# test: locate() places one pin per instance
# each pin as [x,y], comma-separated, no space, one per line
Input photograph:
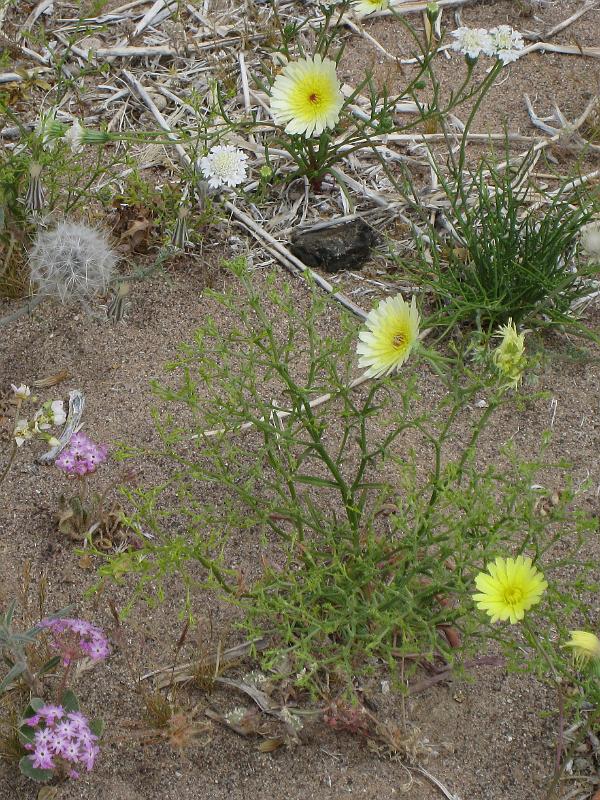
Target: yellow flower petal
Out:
[306,97]
[509,588]
[364,7]
[392,332]
[585,647]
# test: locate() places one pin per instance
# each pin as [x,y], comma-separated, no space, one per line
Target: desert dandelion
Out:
[509,356]
[364,7]
[585,647]
[306,97]
[391,335]
[509,588]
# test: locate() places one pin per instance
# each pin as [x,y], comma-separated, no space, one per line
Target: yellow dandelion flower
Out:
[509,356]
[509,588]
[364,7]
[306,97]
[393,330]
[585,646]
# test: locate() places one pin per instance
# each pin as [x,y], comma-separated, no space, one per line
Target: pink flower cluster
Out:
[76,638]
[61,739]
[82,456]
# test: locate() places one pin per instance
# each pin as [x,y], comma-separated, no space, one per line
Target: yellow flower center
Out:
[399,340]
[513,595]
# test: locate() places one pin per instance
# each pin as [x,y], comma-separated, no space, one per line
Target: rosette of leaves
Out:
[105,528]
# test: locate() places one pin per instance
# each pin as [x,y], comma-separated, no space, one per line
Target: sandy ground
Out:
[491,738]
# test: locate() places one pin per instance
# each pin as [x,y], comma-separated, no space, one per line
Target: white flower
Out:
[472,41]
[41,420]
[506,43]
[58,412]
[50,414]
[75,137]
[22,392]
[364,7]
[22,432]
[225,165]
[590,239]
[306,96]
[53,441]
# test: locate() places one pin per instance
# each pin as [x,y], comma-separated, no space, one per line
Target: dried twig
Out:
[589,6]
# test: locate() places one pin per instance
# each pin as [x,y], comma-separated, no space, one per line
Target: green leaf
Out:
[70,701]
[47,793]
[8,617]
[311,480]
[26,734]
[97,726]
[53,662]
[39,775]
[11,675]
[34,706]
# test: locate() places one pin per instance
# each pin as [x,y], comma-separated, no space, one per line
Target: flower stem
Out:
[9,463]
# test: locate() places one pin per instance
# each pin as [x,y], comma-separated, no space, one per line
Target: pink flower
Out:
[76,638]
[57,743]
[51,714]
[89,757]
[66,728]
[82,457]
[82,627]
[65,740]
[79,719]
[65,461]
[43,736]
[80,439]
[70,751]
[42,757]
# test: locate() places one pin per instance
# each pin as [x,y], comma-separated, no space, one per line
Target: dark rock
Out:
[343,246]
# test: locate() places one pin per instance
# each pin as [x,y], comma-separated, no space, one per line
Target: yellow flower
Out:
[364,7]
[509,588]
[509,356]
[393,330]
[306,97]
[586,647]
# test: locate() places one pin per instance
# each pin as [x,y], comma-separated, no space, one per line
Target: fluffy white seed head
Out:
[71,262]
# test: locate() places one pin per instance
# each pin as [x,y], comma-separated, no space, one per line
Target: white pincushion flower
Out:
[472,42]
[22,432]
[21,392]
[224,165]
[506,43]
[75,137]
[364,7]
[590,239]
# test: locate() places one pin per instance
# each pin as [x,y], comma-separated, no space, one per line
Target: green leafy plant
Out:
[355,567]
[504,259]
[48,740]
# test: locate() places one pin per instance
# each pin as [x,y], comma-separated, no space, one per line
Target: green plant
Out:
[355,567]
[48,739]
[505,258]
[354,127]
